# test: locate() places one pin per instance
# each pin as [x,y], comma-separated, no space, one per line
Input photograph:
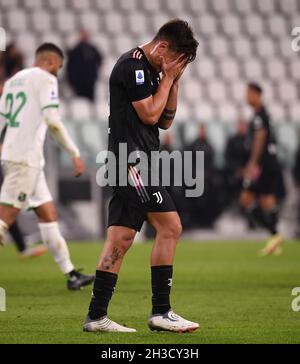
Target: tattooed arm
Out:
[169,112]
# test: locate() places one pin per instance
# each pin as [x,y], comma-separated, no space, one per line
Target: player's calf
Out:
[168,230]
[3,231]
[8,216]
[58,247]
[119,241]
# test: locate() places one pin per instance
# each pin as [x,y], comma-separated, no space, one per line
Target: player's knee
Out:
[46,213]
[123,242]
[49,218]
[246,200]
[52,215]
[177,229]
[173,231]
[268,203]
[8,214]
[242,201]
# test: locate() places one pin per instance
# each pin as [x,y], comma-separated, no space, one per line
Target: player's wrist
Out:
[175,86]
[169,80]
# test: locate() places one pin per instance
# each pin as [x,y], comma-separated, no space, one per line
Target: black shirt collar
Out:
[152,69]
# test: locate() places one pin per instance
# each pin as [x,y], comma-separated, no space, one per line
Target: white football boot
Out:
[274,246]
[104,324]
[33,252]
[171,322]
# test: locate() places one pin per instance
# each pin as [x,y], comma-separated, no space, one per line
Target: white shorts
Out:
[23,187]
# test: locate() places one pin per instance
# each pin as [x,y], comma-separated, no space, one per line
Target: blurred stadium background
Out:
[240,41]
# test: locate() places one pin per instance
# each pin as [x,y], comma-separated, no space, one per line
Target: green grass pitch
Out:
[234,295]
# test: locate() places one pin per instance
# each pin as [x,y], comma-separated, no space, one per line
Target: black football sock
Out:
[161,277]
[17,235]
[271,220]
[104,286]
[254,215]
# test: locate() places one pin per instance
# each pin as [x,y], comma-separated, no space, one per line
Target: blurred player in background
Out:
[258,197]
[29,106]
[140,104]
[237,156]
[15,230]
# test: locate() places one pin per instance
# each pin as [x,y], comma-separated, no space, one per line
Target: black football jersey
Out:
[132,79]
[260,120]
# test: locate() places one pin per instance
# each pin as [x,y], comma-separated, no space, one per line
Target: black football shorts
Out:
[130,205]
[265,184]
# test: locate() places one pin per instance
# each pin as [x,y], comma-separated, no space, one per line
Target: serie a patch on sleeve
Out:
[53,94]
[139,77]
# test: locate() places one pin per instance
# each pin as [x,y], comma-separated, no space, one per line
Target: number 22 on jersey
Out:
[14,105]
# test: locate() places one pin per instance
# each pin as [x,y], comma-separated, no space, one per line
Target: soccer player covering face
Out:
[29,107]
[140,104]
[258,196]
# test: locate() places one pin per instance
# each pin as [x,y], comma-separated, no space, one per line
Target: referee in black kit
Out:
[258,198]
[140,103]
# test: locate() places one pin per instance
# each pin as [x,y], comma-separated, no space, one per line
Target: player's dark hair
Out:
[255,87]
[180,37]
[49,47]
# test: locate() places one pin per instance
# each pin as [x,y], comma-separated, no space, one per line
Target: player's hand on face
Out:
[174,69]
[181,73]
[78,166]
